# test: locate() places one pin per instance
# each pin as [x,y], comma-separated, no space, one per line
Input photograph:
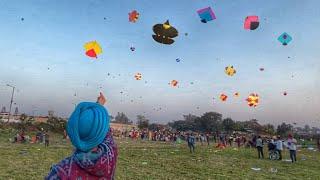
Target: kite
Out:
[284,38]
[253,100]
[132,48]
[236,94]
[164,33]
[178,60]
[251,22]
[174,83]
[285,93]
[261,69]
[92,49]
[133,16]
[138,76]
[206,14]
[22,19]
[186,34]
[230,71]
[223,97]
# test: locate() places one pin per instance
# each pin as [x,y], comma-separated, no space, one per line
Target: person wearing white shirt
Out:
[279,147]
[292,145]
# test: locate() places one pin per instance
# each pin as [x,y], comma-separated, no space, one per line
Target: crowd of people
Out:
[275,144]
[223,139]
[41,137]
[96,152]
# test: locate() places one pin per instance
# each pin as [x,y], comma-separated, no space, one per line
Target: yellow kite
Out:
[230,71]
[92,49]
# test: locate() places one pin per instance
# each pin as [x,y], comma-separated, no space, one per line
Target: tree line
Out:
[208,122]
[214,122]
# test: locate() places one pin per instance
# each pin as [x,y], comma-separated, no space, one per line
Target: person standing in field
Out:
[279,147]
[191,142]
[230,140]
[292,145]
[259,145]
[96,153]
[244,140]
[201,139]
[46,139]
[238,140]
[208,138]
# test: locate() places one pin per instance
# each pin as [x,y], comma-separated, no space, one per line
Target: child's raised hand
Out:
[101,99]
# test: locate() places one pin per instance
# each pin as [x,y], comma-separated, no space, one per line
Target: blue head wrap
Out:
[88,125]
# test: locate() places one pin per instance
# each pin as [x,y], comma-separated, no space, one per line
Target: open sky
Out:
[43,57]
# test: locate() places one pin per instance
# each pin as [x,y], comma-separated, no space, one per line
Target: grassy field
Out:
[158,160]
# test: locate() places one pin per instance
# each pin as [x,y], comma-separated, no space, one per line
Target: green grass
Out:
[158,160]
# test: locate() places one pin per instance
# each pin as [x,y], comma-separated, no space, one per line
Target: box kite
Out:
[164,33]
[92,49]
[133,16]
[230,71]
[206,14]
[284,38]
[138,76]
[253,100]
[251,22]
[223,97]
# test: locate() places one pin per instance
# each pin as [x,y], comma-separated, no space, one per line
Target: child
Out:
[96,154]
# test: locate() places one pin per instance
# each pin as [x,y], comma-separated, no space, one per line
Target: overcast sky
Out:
[43,56]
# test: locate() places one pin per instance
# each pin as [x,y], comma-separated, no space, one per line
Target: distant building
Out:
[122,127]
[41,118]
[13,118]
[4,115]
